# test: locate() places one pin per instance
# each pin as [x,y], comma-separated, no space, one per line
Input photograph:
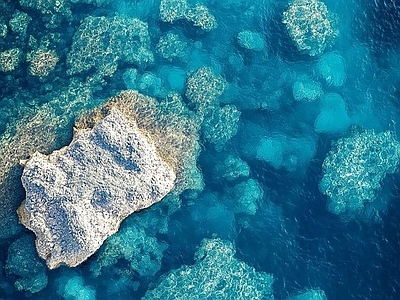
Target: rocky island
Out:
[77,196]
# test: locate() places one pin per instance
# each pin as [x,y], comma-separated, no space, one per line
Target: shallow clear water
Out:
[282,139]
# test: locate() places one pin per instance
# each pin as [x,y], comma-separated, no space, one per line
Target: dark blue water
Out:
[261,172]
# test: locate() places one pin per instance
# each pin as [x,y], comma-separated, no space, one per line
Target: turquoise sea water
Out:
[299,144]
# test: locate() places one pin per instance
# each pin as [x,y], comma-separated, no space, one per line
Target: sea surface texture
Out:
[282,115]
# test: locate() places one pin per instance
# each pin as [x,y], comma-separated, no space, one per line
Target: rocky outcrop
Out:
[77,196]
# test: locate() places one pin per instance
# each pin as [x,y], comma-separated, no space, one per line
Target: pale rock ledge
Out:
[77,196]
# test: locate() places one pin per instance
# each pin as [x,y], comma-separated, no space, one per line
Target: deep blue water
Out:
[289,232]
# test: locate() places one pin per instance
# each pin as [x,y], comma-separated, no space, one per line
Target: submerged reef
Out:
[42,62]
[310,25]
[216,274]
[9,59]
[310,295]
[136,244]
[23,262]
[77,196]
[354,170]
[103,43]
[198,15]
[72,287]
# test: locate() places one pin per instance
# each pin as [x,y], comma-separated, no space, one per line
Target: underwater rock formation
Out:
[314,294]
[216,274]
[26,266]
[198,15]
[354,170]
[103,43]
[310,25]
[77,196]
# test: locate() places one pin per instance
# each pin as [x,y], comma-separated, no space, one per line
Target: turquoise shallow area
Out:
[283,131]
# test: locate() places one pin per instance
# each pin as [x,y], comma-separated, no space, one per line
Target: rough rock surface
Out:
[77,196]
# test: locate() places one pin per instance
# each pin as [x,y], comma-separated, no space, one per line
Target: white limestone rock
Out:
[77,196]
